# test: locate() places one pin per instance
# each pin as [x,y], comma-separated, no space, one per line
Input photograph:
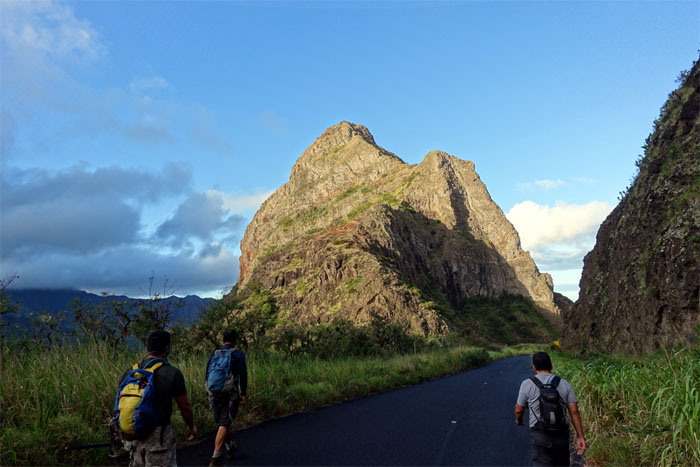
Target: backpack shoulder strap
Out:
[554,382]
[537,381]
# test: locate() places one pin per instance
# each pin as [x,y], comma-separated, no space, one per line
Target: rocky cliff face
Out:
[640,284]
[356,231]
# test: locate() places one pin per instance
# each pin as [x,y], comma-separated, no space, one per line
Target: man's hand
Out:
[576,420]
[241,400]
[193,433]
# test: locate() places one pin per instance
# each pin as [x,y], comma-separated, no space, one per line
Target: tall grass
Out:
[638,411]
[53,398]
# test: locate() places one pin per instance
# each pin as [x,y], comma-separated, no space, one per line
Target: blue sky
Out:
[139,138]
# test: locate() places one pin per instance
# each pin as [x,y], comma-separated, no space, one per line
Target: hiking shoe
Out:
[216,461]
[231,448]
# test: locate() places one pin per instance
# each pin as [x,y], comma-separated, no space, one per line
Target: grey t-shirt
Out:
[529,395]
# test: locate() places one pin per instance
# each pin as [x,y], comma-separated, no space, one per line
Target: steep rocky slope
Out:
[356,231]
[640,287]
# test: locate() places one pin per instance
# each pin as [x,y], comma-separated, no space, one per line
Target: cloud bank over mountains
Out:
[87,229]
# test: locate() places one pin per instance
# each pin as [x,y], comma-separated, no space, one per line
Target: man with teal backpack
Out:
[144,405]
[226,383]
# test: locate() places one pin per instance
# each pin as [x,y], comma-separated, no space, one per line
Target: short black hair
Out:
[230,335]
[158,341]
[542,362]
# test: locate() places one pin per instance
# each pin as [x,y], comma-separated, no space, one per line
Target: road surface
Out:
[463,419]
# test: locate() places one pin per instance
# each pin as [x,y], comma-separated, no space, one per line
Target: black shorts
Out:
[224,409]
[550,448]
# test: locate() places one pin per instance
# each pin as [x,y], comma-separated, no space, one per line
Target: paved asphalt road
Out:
[463,419]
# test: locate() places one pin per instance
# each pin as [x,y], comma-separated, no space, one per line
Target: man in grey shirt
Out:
[548,448]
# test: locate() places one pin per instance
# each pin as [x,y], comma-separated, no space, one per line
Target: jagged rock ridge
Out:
[640,286]
[356,231]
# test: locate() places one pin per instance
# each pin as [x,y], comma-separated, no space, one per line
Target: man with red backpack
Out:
[226,383]
[548,397]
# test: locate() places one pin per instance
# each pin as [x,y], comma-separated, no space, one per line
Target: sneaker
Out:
[231,448]
[216,461]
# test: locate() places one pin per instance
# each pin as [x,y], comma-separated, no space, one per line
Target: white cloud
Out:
[47,29]
[543,226]
[543,185]
[242,203]
[46,98]
[141,85]
[559,237]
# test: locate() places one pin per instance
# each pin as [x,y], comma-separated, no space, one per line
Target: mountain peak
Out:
[440,160]
[336,137]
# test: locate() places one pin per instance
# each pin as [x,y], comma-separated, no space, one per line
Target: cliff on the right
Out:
[640,286]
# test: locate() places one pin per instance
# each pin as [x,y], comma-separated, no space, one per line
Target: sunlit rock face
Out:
[357,232]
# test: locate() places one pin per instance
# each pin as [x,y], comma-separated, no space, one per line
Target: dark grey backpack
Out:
[551,406]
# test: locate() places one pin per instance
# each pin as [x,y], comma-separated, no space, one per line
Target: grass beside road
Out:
[53,398]
[638,411]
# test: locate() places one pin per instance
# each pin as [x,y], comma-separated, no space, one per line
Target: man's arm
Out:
[519,411]
[576,419]
[185,407]
[243,378]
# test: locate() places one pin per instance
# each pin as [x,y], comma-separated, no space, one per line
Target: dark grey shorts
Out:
[550,449]
[224,409]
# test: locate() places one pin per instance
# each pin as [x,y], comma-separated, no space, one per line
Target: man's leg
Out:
[221,438]
[550,449]
[560,449]
[231,445]
[541,449]
[221,407]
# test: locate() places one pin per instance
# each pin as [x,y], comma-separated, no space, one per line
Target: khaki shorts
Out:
[158,449]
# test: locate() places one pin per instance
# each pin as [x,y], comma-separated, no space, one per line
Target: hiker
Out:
[158,447]
[546,396]
[226,371]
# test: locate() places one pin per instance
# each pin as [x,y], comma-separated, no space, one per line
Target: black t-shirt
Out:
[169,383]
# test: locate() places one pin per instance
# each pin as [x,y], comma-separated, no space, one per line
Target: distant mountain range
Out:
[53,301]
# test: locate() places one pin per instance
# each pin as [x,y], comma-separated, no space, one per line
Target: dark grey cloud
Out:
[78,210]
[83,228]
[29,186]
[126,269]
[201,216]
[67,224]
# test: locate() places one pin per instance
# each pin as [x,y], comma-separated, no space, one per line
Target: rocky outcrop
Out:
[640,287]
[356,232]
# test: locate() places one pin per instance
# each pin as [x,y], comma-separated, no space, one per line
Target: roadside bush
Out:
[342,338]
